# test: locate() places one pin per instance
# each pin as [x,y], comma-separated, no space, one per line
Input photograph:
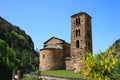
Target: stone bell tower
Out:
[81,38]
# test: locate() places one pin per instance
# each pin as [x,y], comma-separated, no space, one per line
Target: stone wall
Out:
[54,43]
[81,38]
[51,59]
[68,63]
[66,49]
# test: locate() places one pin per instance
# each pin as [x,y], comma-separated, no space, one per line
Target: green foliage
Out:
[116,69]
[116,48]
[30,78]
[3,51]
[115,75]
[100,66]
[16,48]
[8,60]
[18,35]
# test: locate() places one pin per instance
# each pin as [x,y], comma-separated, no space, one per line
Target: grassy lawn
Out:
[30,78]
[62,73]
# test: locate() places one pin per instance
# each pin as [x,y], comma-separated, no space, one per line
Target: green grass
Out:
[29,78]
[62,73]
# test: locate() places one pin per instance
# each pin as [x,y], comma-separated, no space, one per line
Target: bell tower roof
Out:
[80,13]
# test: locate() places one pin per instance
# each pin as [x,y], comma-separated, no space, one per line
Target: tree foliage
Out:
[99,66]
[16,48]
[115,75]
[116,48]
[8,60]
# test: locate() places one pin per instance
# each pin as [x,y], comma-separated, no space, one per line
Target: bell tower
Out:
[81,38]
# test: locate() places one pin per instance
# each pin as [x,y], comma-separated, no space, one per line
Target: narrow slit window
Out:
[76,32]
[43,56]
[78,20]
[79,32]
[88,33]
[77,44]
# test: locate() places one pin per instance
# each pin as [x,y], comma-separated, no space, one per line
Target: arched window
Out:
[78,20]
[43,56]
[88,33]
[77,44]
[77,32]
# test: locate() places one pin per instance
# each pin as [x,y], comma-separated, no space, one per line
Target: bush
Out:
[99,66]
[115,76]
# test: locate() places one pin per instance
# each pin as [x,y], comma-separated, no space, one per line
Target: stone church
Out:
[58,54]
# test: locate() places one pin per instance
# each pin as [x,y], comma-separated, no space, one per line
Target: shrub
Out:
[100,66]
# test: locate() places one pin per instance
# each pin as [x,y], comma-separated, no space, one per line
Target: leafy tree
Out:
[8,60]
[20,43]
[116,48]
[3,51]
[115,74]
[16,50]
[99,66]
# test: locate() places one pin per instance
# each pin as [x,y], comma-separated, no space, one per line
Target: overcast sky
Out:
[43,19]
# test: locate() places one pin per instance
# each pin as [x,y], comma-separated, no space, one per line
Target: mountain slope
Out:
[116,48]
[20,43]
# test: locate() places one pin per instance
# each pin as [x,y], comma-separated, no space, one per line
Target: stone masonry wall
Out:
[81,38]
[54,43]
[51,59]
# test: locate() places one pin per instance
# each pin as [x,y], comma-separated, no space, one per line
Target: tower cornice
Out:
[80,13]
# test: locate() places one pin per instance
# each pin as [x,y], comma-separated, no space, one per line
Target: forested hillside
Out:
[116,48]
[16,50]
